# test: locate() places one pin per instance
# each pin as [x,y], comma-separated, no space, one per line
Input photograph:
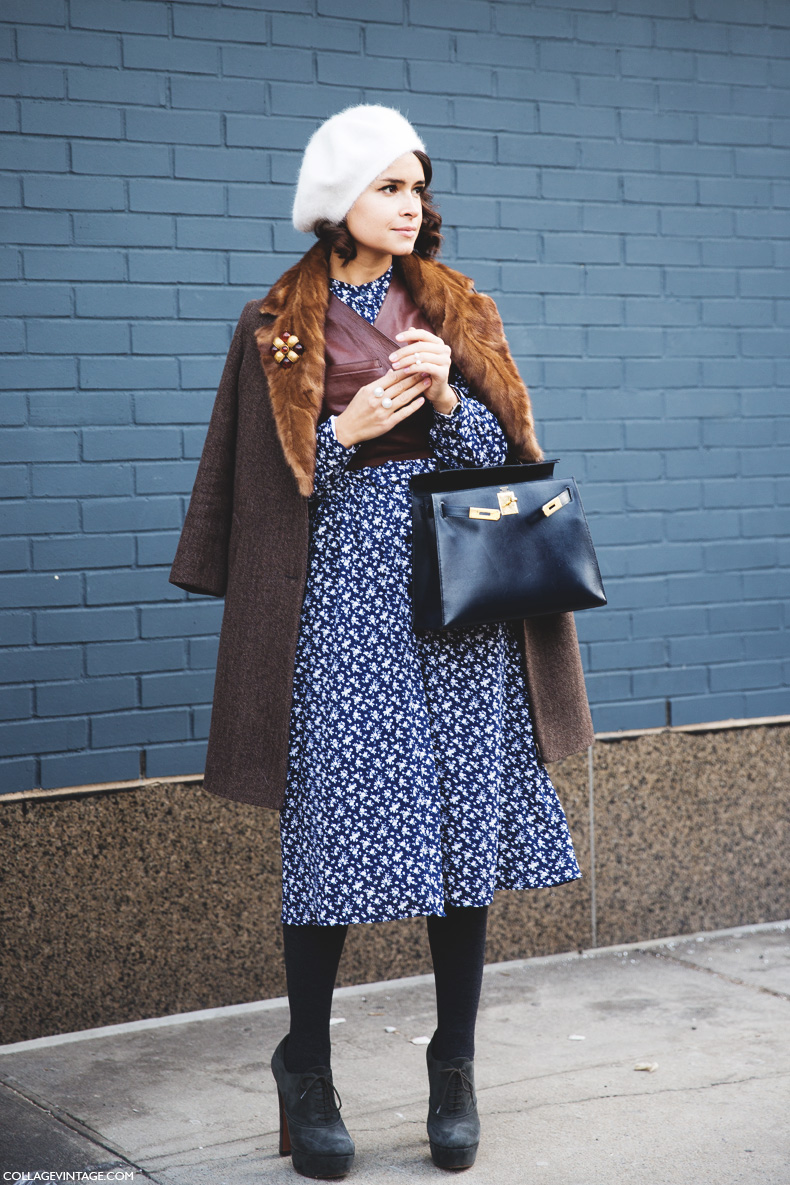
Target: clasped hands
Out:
[419,371]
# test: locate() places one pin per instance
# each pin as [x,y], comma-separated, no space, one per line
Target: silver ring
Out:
[378,392]
[386,402]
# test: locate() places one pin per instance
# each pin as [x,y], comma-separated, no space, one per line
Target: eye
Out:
[387,188]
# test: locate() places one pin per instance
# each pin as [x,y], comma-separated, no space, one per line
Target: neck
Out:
[367,265]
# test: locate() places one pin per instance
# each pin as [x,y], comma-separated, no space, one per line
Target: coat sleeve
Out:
[201,559]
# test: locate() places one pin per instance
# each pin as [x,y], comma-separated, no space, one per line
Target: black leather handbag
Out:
[498,544]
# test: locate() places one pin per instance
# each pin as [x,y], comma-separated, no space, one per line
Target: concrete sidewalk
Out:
[190,1100]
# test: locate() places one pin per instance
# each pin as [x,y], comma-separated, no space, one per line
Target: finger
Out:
[431,343]
[398,394]
[408,410]
[429,372]
[414,386]
[404,382]
[384,385]
[387,381]
[406,378]
[428,363]
[420,347]
[414,334]
[436,351]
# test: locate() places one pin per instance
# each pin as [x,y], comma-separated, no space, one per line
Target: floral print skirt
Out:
[413,777]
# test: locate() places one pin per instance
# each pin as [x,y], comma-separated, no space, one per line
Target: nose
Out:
[411,206]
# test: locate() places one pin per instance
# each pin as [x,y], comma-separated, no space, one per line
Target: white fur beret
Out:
[343,156]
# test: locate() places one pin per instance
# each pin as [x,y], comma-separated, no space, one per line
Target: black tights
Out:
[312,955]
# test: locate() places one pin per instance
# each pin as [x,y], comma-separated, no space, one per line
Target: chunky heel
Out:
[311,1129]
[285,1138]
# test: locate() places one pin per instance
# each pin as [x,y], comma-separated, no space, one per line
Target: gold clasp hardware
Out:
[556,503]
[484,512]
[508,503]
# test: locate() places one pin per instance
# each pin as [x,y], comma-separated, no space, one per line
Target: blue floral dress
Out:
[413,778]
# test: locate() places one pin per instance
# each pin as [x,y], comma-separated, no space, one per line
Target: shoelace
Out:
[326,1103]
[457,1083]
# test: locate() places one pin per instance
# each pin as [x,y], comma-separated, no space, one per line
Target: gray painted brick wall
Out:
[615,172]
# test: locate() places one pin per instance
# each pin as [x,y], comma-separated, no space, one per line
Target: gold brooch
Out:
[287,349]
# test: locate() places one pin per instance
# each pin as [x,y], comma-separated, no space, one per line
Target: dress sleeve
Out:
[470,436]
[331,459]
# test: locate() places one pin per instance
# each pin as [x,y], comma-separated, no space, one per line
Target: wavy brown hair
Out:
[336,236]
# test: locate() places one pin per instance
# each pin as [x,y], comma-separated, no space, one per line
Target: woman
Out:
[405,767]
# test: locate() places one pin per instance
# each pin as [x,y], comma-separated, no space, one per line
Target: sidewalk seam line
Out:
[755,987]
[72,1123]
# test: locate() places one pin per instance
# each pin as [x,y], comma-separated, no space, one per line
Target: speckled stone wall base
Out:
[140,903]
[692,832]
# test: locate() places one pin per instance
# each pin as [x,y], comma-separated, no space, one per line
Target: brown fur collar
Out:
[468,321]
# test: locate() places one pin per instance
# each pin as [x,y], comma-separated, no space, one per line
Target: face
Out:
[386,217]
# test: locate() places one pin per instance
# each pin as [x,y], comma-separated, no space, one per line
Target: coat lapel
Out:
[468,321]
[298,303]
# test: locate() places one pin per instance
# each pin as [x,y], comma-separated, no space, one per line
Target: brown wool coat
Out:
[245,536]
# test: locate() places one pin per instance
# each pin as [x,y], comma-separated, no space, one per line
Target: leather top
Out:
[356,354]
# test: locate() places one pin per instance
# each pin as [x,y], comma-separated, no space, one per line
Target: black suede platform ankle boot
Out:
[311,1129]
[453,1122]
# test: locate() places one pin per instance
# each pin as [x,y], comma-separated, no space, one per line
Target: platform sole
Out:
[453,1158]
[321,1167]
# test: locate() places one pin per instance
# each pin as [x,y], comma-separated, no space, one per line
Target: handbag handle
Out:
[442,481]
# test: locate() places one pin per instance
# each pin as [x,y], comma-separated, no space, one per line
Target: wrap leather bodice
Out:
[356,354]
